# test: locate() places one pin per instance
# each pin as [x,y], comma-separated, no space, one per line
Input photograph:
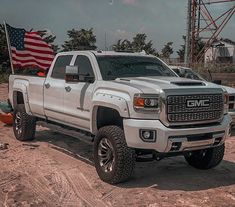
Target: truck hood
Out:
[159,83]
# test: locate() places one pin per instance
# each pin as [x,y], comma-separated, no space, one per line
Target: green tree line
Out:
[85,39]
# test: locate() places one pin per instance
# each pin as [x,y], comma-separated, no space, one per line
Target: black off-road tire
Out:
[206,159]
[24,125]
[124,157]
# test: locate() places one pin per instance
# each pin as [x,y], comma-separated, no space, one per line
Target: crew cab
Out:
[131,106]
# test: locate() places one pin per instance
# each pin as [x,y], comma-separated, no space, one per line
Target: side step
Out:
[79,134]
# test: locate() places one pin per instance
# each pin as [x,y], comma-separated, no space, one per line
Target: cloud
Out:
[122,34]
[111,2]
[128,2]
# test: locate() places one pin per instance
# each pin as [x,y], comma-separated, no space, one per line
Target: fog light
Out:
[175,146]
[148,135]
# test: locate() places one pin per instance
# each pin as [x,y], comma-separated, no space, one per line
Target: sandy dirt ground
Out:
[56,170]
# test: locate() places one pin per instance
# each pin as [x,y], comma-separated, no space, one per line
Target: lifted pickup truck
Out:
[132,106]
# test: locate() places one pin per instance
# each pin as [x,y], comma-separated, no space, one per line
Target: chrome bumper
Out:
[175,139]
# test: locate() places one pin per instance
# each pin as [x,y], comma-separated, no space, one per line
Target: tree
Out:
[122,45]
[80,40]
[167,50]
[4,55]
[138,44]
[50,40]
[199,46]
[181,51]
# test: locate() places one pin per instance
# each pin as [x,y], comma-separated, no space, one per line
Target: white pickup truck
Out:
[132,106]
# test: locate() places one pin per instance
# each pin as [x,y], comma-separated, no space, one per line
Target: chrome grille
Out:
[179,111]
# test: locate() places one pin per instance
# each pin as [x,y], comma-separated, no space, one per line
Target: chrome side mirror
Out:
[71,74]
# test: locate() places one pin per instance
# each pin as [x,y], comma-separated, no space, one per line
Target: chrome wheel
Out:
[106,155]
[18,123]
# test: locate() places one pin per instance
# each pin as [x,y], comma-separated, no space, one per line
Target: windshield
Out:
[112,67]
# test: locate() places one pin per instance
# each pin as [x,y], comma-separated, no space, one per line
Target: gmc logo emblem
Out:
[198,103]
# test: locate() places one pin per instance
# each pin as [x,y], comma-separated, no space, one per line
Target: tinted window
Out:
[112,67]
[187,73]
[60,65]
[84,66]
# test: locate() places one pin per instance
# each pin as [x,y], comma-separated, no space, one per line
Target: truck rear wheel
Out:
[206,159]
[24,125]
[114,160]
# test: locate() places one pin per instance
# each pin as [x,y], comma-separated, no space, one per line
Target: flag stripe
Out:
[24,59]
[28,55]
[39,51]
[31,33]
[33,37]
[29,64]
[36,42]
[32,53]
[15,61]
[38,48]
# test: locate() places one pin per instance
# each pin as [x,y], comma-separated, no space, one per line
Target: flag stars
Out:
[16,37]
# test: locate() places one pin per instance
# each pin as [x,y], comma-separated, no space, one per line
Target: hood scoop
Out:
[188,83]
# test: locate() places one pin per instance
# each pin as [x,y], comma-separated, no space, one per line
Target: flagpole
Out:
[9,47]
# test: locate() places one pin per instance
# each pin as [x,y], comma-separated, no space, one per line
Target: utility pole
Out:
[203,25]
[105,41]
[188,35]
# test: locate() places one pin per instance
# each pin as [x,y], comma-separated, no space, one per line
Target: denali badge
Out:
[198,103]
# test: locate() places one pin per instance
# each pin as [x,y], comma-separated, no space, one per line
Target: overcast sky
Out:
[161,20]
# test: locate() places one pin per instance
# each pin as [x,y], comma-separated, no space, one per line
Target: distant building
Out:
[221,51]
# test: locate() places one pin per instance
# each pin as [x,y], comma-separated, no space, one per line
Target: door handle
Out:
[47,85]
[68,88]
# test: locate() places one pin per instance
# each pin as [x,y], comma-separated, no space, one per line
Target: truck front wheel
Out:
[114,160]
[24,125]
[206,159]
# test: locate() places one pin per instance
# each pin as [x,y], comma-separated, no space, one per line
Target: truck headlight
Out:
[226,102]
[146,101]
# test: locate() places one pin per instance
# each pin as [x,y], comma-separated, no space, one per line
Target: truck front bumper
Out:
[174,139]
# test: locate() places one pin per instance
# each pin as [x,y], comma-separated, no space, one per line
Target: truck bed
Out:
[33,88]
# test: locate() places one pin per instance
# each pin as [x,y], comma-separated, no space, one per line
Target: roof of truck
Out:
[106,53]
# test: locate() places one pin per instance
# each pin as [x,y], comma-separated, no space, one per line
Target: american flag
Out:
[28,49]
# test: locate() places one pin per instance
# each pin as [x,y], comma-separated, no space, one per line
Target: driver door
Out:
[78,95]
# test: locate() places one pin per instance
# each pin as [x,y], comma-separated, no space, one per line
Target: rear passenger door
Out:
[77,99]
[54,88]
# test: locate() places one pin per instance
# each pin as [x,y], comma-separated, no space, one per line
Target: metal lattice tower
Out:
[202,25]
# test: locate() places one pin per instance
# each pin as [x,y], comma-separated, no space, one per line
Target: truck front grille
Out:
[194,108]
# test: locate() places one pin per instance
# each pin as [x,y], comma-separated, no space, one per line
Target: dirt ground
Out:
[56,170]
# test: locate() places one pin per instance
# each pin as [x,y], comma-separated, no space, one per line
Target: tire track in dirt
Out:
[7,178]
[83,189]
[54,189]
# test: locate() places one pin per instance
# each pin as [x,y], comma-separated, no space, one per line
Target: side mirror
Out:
[71,74]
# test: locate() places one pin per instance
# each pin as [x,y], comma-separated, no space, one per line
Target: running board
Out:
[76,133]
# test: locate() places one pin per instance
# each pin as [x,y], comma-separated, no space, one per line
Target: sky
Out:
[162,20]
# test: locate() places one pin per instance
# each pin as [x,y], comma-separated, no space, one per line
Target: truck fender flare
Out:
[109,101]
[21,87]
